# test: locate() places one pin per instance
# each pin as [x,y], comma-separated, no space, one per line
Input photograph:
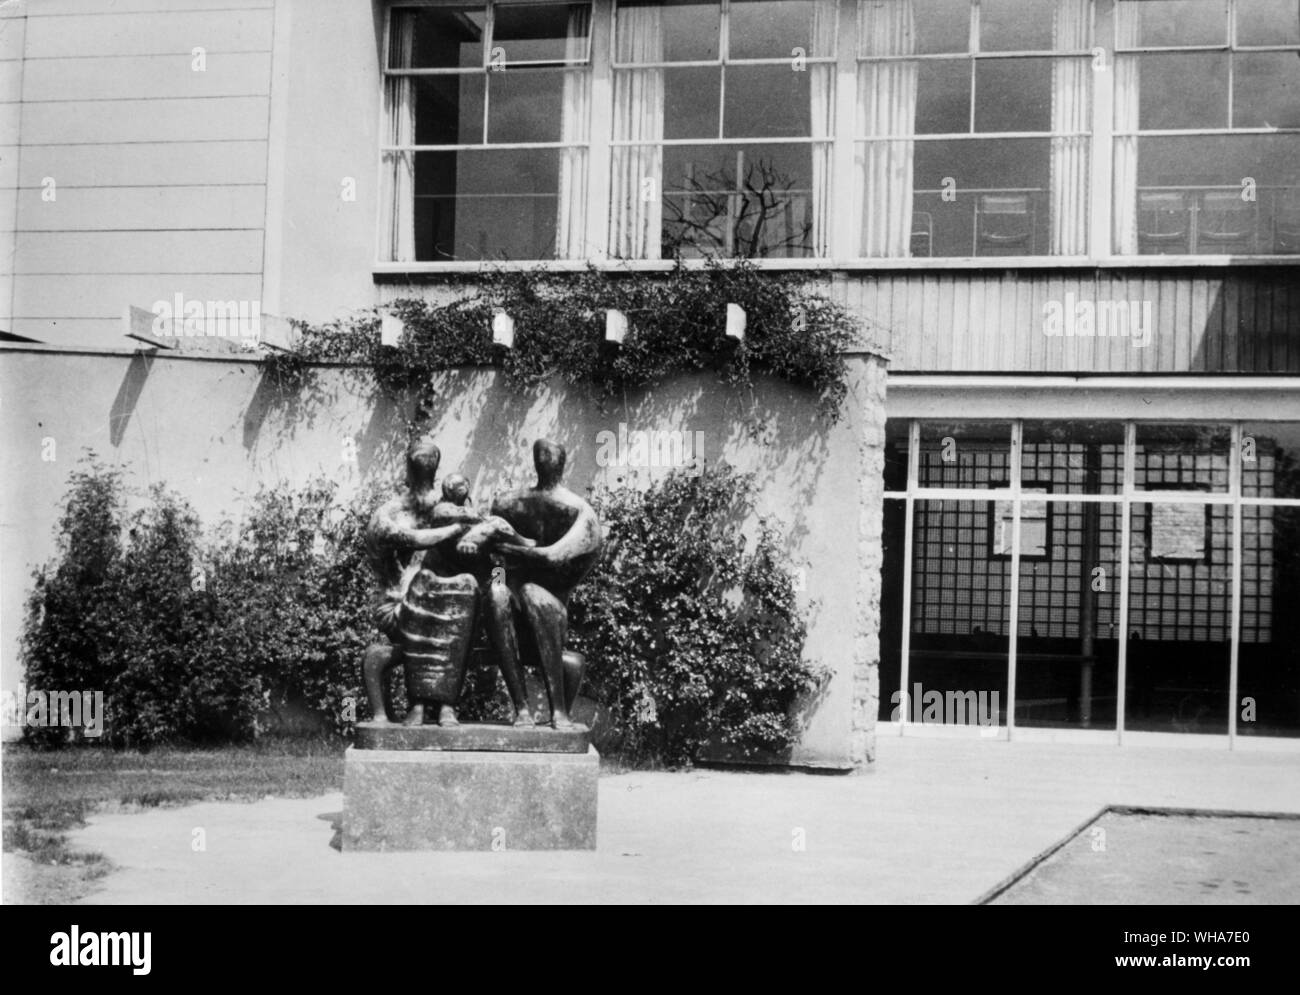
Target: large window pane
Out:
[943,97]
[1013,95]
[526,105]
[771,29]
[486,205]
[896,454]
[1015,25]
[1268,22]
[960,617]
[444,38]
[982,197]
[767,102]
[965,454]
[1219,194]
[1074,457]
[540,33]
[1183,90]
[1181,457]
[744,200]
[893,536]
[1066,643]
[691,102]
[1266,90]
[1268,668]
[691,30]
[1270,460]
[448,109]
[1180,22]
[1180,620]
[942,26]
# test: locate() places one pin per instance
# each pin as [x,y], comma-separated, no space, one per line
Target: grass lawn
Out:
[47,792]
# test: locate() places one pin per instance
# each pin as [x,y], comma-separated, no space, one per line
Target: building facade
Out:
[1073,225]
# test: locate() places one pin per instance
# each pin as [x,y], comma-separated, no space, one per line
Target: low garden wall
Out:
[215,429]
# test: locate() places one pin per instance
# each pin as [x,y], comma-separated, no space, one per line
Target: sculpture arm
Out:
[446,513]
[389,529]
[583,537]
[428,538]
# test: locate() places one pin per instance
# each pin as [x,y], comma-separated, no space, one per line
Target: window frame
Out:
[843,238]
[719,138]
[1123,502]
[1231,49]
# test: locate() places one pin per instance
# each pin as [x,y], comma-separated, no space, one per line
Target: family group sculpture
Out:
[445,568]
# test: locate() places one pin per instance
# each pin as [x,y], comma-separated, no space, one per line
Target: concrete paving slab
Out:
[933,821]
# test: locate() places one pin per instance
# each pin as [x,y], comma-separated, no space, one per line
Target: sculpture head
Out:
[455,489]
[548,458]
[422,460]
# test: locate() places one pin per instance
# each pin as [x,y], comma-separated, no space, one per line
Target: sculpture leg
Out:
[414,714]
[575,666]
[505,646]
[548,623]
[379,659]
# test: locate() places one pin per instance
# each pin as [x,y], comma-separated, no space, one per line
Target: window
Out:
[1207,127]
[974,122]
[887,129]
[486,154]
[1153,561]
[722,118]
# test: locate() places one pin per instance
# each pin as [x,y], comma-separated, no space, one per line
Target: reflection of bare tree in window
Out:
[764,215]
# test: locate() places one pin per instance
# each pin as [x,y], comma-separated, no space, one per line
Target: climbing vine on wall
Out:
[677,324]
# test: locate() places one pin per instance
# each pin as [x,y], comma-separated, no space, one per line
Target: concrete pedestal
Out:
[441,799]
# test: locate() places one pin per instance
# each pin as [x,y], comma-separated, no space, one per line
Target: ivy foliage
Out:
[677,325]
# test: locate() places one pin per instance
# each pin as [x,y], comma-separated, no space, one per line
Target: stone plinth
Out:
[463,799]
[480,736]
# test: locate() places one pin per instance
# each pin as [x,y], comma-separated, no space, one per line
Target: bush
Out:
[71,612]
[262,627]
[202,642]
[691,640]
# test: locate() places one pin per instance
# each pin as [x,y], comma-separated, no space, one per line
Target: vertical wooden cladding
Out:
[1206,320]
[158,152]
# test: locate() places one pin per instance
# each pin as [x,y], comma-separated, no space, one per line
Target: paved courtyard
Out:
[935,820]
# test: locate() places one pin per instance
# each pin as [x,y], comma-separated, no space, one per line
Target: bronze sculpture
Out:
[443,565]
[527,604]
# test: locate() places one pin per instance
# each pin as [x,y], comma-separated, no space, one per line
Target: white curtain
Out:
[636,194]
[1071,112]
[398,195]
[571,214]
[822,89]
[886,106]
[1125,174]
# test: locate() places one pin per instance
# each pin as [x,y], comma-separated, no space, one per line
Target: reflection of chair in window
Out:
[1226,223]
[1164,223]
[922,240]
[1004,224]
[1286,223]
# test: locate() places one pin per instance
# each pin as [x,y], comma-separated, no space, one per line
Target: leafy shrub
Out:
[291,591]
[691,639]
[201,642]
[71,613]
